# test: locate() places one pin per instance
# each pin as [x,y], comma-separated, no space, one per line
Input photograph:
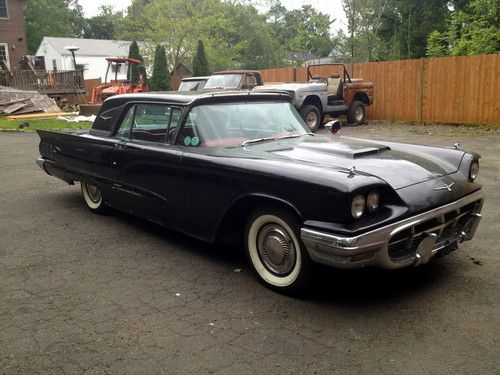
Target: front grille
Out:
[404,244]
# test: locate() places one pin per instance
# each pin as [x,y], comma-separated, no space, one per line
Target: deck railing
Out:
[45,81]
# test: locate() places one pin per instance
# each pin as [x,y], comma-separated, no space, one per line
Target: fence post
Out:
[294,74]
[420,98]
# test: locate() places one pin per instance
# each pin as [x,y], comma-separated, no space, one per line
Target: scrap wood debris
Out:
[17,102]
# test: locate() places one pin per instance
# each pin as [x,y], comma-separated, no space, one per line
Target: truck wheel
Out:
[311,116]
[356,113]
[275,251]
[92,196]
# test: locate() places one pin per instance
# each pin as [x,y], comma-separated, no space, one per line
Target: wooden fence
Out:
[464,89]
[44,81]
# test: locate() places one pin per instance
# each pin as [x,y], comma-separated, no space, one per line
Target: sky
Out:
[331,7]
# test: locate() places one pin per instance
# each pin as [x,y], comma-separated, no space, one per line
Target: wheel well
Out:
[315,101]
[361,97]
[232,226]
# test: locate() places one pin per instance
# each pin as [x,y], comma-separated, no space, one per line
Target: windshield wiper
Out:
[290,136]
[257,140]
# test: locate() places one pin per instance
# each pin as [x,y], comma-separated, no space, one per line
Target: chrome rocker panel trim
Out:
[371,248]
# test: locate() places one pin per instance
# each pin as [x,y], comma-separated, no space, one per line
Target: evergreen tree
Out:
[160,79]
[200,62]
[133,72]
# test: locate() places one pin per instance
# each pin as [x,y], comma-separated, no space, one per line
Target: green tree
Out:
[133,73]
[200,62]
[301,30]
[62,18]
[234,34]
[406,24]
[160,79]
[104,25]
[471,30]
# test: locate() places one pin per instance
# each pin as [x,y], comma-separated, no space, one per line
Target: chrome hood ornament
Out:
[445,187]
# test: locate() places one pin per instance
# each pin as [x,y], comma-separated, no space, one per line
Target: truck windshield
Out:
[237,124]
[191,85]
[224,81]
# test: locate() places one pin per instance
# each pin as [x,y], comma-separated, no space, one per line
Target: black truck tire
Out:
[357,113]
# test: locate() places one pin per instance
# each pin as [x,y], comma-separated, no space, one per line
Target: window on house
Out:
[4,53]
[3,9]
[54,64]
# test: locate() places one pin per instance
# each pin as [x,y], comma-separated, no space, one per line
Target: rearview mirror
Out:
[333,126]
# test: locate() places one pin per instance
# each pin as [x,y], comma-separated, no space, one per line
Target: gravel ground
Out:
[88,294]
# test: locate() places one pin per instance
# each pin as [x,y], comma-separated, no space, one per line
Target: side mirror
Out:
[333,126]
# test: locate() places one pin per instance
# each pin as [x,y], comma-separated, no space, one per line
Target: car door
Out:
[149,174]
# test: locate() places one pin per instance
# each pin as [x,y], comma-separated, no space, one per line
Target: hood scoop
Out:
[360,152]
[343,151]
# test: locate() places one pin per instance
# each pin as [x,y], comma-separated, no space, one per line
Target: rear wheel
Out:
[357,113]
[276,252]
[92,196]
[311,116]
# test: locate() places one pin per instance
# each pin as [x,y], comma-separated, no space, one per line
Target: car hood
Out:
[400,165]
[310,86]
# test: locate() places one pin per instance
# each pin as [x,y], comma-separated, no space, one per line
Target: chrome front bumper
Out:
[372,248]
[41,163]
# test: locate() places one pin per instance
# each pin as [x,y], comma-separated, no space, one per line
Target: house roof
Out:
[87,47]
[300,56]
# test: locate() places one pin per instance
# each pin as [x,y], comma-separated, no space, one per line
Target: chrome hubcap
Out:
[358,114]
[94,193]
[276,249]
[311,119]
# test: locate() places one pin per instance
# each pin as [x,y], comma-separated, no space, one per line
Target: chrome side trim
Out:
[338,250]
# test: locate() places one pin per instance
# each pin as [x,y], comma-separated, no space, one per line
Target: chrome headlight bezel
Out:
[473,170]
[373,201]
[358,205]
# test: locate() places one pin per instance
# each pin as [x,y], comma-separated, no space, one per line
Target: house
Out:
[298,58]
[90,56]
[13,44]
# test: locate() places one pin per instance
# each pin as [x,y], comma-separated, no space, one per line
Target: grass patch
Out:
[43,124]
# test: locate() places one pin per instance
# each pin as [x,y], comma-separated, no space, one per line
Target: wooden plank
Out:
[13,108]
[40,115]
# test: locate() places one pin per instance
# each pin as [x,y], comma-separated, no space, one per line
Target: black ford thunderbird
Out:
[243,166]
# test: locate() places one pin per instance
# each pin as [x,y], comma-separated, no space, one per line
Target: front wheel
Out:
[92,196]
[275,251]
[357,113]
[312,116]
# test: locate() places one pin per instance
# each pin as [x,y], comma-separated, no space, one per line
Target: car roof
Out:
[195,78]
[238,72]
[197,97]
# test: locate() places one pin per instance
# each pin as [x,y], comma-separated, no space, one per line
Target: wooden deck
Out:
[50,82]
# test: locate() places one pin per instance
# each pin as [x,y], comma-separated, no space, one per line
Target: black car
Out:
[243,166]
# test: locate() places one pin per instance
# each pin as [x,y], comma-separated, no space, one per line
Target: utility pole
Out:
[353,12]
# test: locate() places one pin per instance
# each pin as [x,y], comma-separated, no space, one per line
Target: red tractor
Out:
[117,87]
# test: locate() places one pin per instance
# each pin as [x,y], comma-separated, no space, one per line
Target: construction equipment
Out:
[117,87]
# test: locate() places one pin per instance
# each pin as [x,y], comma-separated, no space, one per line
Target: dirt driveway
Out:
[88,294]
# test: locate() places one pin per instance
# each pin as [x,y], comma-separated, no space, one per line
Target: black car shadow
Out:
[360,287]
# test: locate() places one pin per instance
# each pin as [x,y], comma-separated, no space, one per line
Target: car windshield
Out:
[240,124]
[191,85]
[224,81]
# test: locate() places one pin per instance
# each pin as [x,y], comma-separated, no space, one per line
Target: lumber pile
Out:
[18,102]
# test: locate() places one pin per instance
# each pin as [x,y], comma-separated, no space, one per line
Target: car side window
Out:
[126,124]
[175,116]
[151,122]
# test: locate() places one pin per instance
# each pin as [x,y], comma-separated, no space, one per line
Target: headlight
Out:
[372,201]
[358,206]
[474,170]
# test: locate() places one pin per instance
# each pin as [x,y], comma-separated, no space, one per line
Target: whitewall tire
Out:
[275,251]
[92,196]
